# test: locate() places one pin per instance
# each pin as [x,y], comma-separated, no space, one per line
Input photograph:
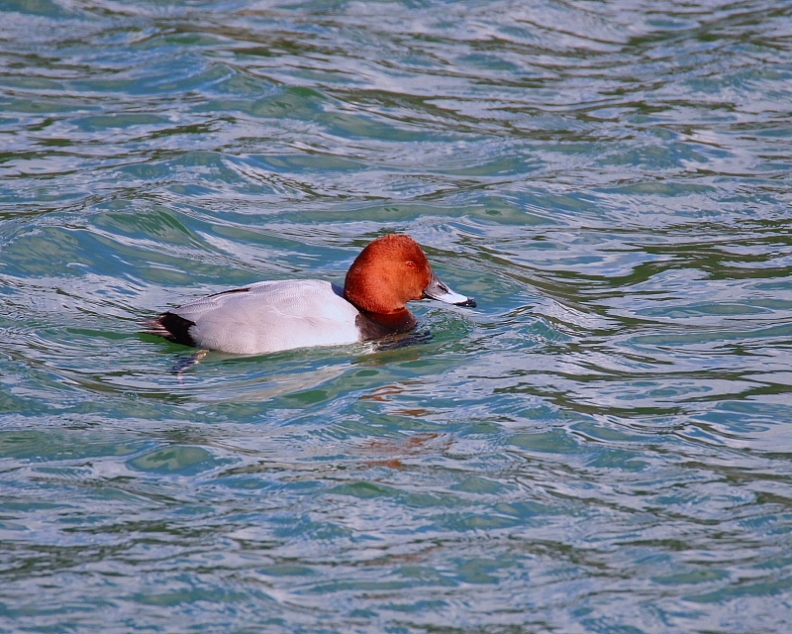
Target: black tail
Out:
[172,327]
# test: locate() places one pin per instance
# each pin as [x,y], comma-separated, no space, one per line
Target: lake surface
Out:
[603,445]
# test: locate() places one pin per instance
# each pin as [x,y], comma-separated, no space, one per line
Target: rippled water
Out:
[601,446]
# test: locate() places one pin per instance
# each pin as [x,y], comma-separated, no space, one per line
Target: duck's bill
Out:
[439,291]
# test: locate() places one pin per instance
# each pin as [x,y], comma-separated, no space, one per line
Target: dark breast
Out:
[376,326]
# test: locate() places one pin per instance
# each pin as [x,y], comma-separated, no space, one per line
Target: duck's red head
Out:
[387,274]
[392,271]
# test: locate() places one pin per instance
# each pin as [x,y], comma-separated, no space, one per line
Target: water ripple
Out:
[599,446]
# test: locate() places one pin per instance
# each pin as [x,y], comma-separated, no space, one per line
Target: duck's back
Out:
[271,316]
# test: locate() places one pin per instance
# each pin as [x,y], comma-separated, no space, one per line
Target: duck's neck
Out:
[376,325]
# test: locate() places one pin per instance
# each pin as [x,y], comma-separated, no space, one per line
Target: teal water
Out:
[603,445]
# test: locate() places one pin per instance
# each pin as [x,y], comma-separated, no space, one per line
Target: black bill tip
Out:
[469,302]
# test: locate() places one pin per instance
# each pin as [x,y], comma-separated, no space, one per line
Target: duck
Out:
[274,316]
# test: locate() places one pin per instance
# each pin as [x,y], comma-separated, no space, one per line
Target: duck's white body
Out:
[272,316]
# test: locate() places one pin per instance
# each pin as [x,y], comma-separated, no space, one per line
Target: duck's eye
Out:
[410,264]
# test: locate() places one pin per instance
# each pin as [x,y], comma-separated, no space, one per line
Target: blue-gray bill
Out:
[440,291]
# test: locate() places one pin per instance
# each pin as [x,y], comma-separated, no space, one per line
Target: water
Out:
[601,446]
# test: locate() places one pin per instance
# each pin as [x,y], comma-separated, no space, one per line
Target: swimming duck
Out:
[283,315]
